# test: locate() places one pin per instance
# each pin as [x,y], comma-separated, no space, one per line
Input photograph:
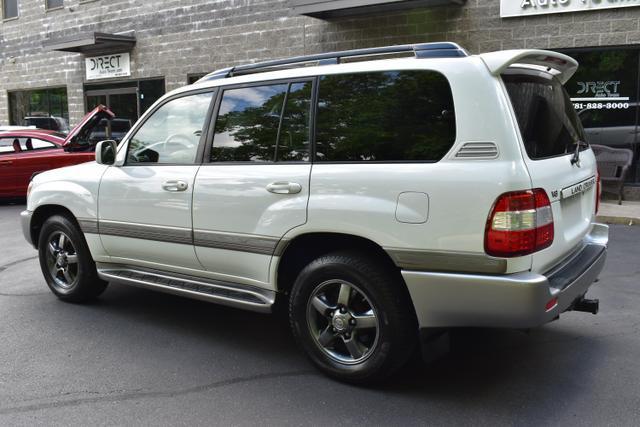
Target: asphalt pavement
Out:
[136,357]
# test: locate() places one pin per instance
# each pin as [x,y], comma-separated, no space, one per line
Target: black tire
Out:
[372,285]
[76,279]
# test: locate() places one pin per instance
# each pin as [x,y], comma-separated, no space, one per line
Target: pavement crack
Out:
[11,264]
[109,397]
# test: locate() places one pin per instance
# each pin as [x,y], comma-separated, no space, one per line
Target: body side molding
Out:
[463,262]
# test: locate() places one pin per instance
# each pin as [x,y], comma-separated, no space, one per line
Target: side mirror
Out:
[106,152]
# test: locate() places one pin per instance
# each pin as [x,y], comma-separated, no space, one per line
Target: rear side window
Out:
[266,123]
[385,116]
[547,120]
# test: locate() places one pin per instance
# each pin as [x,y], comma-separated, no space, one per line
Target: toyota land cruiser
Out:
[376,197]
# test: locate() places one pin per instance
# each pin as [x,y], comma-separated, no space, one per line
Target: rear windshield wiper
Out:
[575,159]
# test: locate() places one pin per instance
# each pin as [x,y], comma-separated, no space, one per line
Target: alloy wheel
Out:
[343,321]
[62,260]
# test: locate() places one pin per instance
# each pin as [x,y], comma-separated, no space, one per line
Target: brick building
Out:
[46,47]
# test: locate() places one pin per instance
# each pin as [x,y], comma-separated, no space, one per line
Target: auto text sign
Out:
[509,8]
[106,66]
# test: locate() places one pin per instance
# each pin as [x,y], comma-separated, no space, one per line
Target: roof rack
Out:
[421,50]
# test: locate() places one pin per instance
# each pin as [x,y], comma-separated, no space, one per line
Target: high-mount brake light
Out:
[520,223]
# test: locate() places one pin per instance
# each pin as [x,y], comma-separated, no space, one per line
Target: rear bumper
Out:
[512,300]
[25,221]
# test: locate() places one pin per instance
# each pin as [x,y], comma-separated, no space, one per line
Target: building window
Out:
[604,92]
[33,107]
[9,9]
[54,4]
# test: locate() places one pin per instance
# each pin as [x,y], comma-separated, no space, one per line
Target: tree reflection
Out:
[400,115]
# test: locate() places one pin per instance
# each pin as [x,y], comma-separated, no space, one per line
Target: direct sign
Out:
[107,66]
[510,8]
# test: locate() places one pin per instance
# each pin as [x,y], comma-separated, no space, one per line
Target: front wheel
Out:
[353,318]
[66,262]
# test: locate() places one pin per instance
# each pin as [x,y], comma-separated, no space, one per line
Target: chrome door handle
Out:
[284,187]
[174,185]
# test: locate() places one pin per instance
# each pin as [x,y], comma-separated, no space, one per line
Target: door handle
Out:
[6,162]
[174,185]
[284,187]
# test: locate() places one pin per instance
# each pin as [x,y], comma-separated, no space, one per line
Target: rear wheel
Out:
[66,262]
[352,317]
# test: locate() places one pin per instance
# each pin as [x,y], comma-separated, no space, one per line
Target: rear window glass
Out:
[385,116]
[548,122]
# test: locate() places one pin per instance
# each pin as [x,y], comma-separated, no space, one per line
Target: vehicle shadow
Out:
[13,201]
[483,364]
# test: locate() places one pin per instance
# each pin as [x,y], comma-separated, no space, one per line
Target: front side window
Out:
[172,134]
[385,116]
[263,124]
[9,9]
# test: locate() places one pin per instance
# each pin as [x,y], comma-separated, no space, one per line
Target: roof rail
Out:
[421,50]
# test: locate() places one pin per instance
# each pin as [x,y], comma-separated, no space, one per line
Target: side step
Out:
[245,297]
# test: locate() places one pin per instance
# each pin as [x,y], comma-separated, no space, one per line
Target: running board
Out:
[245,297]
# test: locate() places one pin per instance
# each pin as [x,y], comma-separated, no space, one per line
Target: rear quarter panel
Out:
[362,198]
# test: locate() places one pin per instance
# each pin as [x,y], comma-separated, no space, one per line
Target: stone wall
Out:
[181,37]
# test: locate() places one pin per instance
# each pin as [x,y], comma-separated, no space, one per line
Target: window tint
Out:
[548,122]
[293,144]
[385,116]
[249,120]
[172,133]
[247,124]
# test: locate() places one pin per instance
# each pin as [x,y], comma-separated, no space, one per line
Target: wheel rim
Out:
[62,260]
[343,322]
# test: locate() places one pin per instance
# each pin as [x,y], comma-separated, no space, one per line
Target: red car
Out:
[29,151]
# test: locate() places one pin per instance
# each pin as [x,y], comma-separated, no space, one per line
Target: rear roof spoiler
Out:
[562,66]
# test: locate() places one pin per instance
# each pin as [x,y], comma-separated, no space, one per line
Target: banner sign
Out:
[511,8]
[104,67]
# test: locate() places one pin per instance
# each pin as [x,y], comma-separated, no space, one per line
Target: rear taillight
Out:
[520,223]
[598,191]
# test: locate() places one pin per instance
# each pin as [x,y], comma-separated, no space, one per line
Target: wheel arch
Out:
[304,248]
[42,213]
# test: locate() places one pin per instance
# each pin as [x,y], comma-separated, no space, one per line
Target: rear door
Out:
[255,186]
[551,133]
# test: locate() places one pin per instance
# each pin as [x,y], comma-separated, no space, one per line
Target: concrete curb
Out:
[624,220]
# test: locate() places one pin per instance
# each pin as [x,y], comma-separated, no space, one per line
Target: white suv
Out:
[376,198]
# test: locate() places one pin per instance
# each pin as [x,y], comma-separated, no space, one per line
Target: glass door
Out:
[123,102]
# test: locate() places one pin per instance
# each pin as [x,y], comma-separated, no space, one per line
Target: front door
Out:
[255,186]
[145,204]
